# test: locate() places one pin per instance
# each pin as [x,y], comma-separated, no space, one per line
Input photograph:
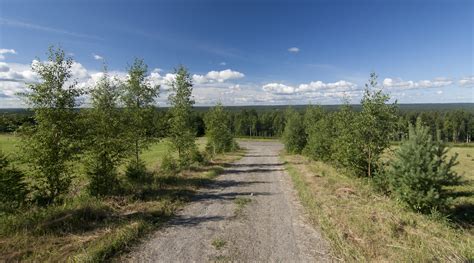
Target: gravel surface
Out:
[251,213]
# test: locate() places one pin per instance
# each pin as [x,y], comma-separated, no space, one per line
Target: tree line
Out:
[120,124]
[454,125]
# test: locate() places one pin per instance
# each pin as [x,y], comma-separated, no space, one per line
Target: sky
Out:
[257,52]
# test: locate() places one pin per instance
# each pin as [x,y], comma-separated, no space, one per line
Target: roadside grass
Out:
[218,243]
[241,203]
[88,229]
[363,225]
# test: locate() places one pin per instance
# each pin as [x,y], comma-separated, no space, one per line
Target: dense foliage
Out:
[218,132]
[294,135]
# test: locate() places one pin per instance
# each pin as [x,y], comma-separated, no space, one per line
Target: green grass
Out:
[362,225]
[218,243]
[9,143]
[87,229]
[241,203]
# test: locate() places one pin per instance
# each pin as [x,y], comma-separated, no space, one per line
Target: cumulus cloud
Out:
[4,51]
[466,82]
[217,76]
[97,57]
[398,84]
[278,88]
[318,87]
[294,50]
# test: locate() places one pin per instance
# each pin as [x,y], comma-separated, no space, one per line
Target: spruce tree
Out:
[421,170]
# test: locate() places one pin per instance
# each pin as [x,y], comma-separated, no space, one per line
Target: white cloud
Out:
[222,63]
[398,84]
[294,50]
[224,75]
[4,51]
[439,92]
[217,76]
[278,88]
[466,82]
[97,57]
[4,67]
[312,87]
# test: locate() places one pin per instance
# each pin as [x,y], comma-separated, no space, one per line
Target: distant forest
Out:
[454,121]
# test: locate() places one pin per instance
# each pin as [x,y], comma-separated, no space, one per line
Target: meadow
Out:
[89,229]
[363,225]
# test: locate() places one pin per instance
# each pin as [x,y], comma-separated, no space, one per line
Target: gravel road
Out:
[251,213]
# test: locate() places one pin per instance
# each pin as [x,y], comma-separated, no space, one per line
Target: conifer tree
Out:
[421,170]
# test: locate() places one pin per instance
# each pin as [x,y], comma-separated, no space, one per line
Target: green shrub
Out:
[102,176]
[320,139]
[421,171]
[136,171]
[294,135]
[169,165]
[12,186]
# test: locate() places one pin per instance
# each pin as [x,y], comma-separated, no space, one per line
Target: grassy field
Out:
[365,226]
[9,144]
[87,229]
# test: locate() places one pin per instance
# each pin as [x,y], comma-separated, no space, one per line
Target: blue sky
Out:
[253,52]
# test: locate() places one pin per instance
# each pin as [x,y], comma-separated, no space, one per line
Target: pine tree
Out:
[182,134]
[52,144]
[219,136]
[421,170]
[294,135]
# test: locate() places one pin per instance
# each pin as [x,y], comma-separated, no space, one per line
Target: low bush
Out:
[136,171]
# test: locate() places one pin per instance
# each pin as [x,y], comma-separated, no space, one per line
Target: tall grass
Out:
[365,226]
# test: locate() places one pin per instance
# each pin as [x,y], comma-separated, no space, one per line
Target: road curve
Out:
[251,213]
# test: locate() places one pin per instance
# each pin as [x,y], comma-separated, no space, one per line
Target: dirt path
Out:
[251,213]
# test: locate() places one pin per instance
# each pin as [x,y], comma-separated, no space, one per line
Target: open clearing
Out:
[250,213]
